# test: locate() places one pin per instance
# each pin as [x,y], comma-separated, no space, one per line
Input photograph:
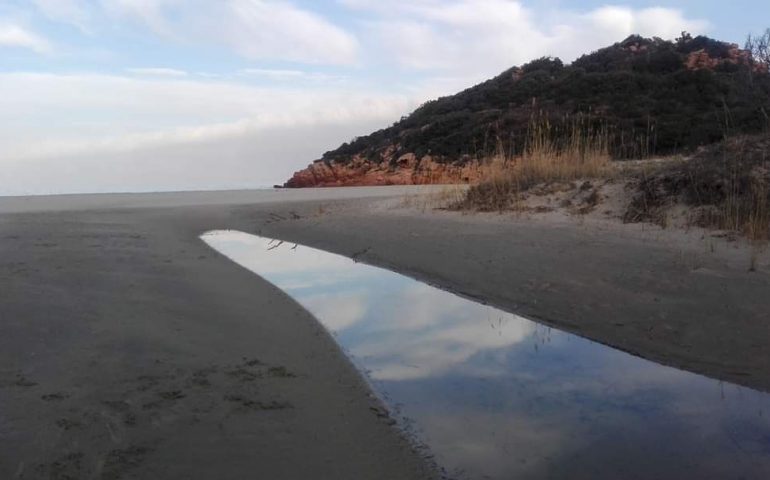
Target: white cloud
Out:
[280,75]
[349,309]
[252,158]
[166,110]
[16,36]
[479,38]
[276,74]
[259,28]
[441,335]
[409,330]
[255,29]
[151,13]
[613,23]
[157,72]
[122,132]
[74,12]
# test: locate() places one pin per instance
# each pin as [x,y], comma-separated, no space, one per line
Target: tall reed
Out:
[568,150]
[746,206]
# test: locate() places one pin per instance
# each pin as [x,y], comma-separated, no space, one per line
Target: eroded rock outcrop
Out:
[406,170]
[701,59]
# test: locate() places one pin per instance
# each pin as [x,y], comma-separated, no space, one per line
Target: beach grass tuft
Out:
[572,150]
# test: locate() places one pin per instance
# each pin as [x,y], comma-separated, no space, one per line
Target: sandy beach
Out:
[130,349]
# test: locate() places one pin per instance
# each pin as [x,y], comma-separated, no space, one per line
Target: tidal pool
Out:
[497,396]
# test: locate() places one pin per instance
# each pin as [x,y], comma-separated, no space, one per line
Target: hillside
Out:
[648,96]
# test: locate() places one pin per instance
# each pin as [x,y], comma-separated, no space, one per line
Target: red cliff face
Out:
[701,60]
[406,170]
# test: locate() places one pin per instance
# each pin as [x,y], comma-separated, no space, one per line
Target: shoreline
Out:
[679,298]
[128,282]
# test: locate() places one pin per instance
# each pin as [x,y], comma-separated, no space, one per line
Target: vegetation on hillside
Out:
[725,185]
[650,96]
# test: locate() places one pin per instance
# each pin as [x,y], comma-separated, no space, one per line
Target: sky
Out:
[157,95]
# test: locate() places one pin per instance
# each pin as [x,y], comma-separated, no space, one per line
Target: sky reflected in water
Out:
[497,396]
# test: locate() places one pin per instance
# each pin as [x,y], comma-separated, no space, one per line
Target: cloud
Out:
[16,36]
[254,29]
[479,38]
[427,333]
[261,27]
[168,109]
[249,159]
[157,72]
[151,13]
[405,330]
[280,75]
[74,12]
[612,23]
[348,309]
[158,130]
[276,74]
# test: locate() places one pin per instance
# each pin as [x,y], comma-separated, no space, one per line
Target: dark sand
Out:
[131,350]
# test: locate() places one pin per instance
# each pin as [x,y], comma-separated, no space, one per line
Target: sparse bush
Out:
[727,184]
[759,46]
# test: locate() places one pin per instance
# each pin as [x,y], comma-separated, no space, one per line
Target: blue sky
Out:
[128,95]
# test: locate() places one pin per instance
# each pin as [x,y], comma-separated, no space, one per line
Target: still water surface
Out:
[494,395]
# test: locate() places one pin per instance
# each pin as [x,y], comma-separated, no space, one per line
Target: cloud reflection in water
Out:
[497,396]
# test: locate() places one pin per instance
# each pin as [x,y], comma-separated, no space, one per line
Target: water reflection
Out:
[497,396]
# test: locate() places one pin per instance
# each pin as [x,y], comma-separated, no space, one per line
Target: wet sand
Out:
[131,349]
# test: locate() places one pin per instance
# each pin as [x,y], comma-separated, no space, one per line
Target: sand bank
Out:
[130,348]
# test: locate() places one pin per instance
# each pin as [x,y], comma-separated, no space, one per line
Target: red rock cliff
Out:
[406,170]
[701,60]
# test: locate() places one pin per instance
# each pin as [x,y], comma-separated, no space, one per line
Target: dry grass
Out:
[745,205]
[725,185]
[757,223]
[551,155]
